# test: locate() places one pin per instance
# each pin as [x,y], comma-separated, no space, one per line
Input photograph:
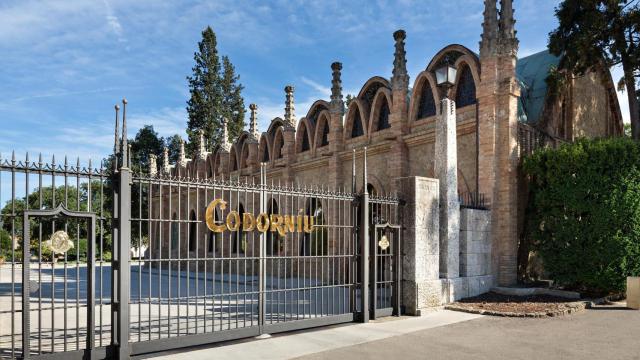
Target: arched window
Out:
[265,153]
[316,242]
[234,160]
[324,139]
[356,128]
[466,91]
[305,140]
[273,238]
[239,237]
[427,105]
[279,144]
[383,117]
[174,231]
[193,231]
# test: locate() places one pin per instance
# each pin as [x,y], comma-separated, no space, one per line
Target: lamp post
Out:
[446,169]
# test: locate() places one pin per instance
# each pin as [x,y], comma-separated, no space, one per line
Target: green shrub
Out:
[584,218]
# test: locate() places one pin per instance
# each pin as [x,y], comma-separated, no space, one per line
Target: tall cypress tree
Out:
[215,95]
[232,101]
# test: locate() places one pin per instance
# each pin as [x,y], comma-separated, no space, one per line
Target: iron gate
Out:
[142,272]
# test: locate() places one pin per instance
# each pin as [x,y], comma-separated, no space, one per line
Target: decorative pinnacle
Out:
[202,148]
[489,28]
[153,165]
[182,157]
[289,109]
[165,160]
[253,125]
[225,144]
[337,105]
[400,78]
[508,41]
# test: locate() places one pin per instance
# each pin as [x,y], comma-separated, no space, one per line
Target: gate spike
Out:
[40,160]
[78,163]
[66,163]
[53,161]
[27,159]
[90,170]
[116,148]
[125,145]
[13,156]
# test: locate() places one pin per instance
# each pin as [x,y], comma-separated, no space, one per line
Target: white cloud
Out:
[166,121]
[323,91]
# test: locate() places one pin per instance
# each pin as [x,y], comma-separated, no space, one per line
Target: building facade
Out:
[498,98]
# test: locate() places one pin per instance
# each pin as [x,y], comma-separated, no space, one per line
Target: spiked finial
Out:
[253,125]
[289,108]
[153,165]
[225,144]
[125,145]
[488,43]
[116,144]
[337,105]
[400,78]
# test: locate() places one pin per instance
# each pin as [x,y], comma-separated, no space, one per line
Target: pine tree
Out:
[173,144]
[215,95]
[146,142]
[232,101]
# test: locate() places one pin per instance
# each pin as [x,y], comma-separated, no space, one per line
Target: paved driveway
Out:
[608,332]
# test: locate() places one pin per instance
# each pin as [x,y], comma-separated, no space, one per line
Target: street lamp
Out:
[446,77]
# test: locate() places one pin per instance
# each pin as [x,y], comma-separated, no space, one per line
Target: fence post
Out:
[364,243]
[262,251]
[123,276]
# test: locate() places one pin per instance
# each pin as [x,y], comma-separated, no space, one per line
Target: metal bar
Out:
[124,270]
[91,286]
[26,323]
[364,244]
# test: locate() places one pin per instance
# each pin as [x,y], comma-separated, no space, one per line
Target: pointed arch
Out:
[381,110]
[264,148]
[356,120]
[244,155]
[315,110]
[321,137]
[233,158]
[304,135]
[278,144]
[370,89]
[465,88]
[424,101]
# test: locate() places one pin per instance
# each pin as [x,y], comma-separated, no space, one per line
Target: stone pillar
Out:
[336,111]
[446,169]
[421,286]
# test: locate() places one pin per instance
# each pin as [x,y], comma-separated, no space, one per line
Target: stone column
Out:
[421,286]
[446,169]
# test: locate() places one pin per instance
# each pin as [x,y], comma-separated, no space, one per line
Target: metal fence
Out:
[108,263]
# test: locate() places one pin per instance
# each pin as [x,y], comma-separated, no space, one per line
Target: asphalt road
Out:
[608,332]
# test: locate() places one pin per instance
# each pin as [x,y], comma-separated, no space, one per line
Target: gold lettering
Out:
[299,220]
[277,224]
[290,223]
[248,222]
[233,221]
[210,215]
[262,222]
[308,224]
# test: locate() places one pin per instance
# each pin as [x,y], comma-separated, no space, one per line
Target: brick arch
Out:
[322,125]
[382,97]
[315,110]
[470,57]
[278,144]
[423,78]
[244,155]
[465,63]
[210,169]
[358,105]
[376,183]
[264,148]
[371,87]
[304,128]
[233,159]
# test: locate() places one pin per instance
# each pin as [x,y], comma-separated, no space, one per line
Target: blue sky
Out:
[66,63]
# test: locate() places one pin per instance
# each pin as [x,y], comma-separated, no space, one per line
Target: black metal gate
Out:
[109,263]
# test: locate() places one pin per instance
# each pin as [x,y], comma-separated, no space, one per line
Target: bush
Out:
[584,215]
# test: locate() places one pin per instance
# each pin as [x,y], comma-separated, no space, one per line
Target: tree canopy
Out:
[601,33]
[216,94]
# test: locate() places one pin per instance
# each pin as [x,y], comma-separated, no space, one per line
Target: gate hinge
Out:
[115,307]
[115,265]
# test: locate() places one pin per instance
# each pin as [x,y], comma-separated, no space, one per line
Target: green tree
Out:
[146,142]
[215,94]
[601,32]
[232,101]
[173,144]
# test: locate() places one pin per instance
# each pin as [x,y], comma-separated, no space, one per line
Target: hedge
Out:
[584,214]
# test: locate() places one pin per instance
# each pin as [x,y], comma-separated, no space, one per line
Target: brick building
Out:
[504,107]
